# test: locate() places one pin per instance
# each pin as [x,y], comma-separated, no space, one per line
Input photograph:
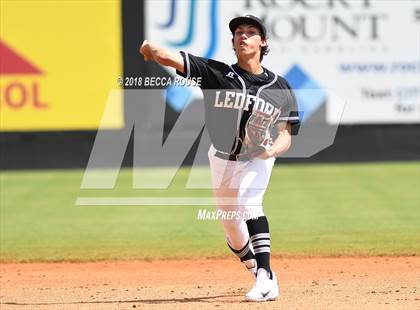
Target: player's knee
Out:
[253,211]
[231,225]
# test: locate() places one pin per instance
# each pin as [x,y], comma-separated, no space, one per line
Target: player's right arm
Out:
[154,52]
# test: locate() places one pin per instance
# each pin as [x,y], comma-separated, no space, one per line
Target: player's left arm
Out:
[282,142]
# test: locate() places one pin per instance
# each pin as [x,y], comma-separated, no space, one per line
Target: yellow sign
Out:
[59,61]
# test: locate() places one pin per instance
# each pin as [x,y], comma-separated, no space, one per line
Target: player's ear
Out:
[263,42]
[233,45]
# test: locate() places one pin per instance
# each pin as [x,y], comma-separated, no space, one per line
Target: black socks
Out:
[260,238]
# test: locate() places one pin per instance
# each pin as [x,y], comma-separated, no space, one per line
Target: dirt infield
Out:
[312,283]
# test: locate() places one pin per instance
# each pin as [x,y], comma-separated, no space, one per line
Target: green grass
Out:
[314,210]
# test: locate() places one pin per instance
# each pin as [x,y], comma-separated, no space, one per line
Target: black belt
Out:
[240,157]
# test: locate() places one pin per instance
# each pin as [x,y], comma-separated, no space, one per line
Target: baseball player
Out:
[249,114]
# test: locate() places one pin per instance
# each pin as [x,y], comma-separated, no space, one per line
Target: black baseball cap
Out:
[250,20]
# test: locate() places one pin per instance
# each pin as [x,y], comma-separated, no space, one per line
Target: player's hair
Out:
[264,50]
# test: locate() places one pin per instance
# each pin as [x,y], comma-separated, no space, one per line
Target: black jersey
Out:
[230,95]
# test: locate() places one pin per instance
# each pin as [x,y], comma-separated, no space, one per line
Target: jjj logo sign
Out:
[190,32]
[188,25]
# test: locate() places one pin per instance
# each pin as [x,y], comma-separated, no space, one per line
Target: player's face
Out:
[247,41]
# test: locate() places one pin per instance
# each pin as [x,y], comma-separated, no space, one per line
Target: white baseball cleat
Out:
[265,288]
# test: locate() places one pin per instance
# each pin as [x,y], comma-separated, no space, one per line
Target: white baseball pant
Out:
[239,186]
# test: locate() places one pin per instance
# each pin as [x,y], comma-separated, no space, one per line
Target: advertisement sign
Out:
[59,61]
[366,52]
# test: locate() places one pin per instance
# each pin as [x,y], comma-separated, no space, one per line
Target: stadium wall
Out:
[71,148]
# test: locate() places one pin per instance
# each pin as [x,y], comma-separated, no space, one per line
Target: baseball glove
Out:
[257,133]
